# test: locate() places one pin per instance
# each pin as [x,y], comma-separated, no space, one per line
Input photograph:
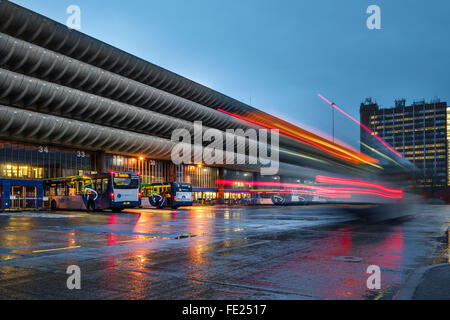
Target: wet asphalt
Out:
[310,252]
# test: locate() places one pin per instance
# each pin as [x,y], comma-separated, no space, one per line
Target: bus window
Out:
[88,185]
[80,189]
[72,188]
[147,191]
[124,181]
[105,185]
[51,190]
[61,190]
[99,186]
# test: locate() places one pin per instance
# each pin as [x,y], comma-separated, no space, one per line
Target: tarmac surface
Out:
[310,252]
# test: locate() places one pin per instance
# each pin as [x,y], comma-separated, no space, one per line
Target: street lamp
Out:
[140,165]
[332,120]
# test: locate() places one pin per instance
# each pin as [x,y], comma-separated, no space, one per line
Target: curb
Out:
[407,292]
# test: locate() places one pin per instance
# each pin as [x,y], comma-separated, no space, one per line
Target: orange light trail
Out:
[267,121]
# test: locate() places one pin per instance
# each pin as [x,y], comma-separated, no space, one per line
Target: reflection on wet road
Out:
[215,253]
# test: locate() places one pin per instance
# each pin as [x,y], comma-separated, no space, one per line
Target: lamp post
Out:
[141,166]
[332,120]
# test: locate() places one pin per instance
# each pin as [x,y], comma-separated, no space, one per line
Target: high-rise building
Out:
[420,132]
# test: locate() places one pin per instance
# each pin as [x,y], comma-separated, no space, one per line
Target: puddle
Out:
[185,236]
[348,259]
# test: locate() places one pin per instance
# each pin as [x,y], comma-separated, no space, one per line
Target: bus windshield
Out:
[125,181]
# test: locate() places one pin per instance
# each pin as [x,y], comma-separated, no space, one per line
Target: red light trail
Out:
[326,191]
[324,179]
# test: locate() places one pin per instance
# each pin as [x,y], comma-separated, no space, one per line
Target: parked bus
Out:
[113,190]
[168,194]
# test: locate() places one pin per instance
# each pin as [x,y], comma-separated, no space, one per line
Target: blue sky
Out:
[281,54]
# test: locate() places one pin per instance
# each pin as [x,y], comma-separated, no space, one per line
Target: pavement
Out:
[429,283]
[310,252]
[435,284]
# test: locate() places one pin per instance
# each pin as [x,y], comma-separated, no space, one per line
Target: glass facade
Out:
[199,176]
[448,146]
[152,171]
[27,161]
[156,171]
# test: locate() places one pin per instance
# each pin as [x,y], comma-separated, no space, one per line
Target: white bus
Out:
[113,190]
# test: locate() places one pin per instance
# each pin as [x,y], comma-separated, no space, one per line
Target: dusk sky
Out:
[281,54]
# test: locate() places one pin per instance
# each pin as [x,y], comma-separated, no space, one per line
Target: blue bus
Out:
[113,190]
[167,194]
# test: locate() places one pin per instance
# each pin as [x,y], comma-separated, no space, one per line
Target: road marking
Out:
[39,215]
[132,240]
[46,250]
[378,297]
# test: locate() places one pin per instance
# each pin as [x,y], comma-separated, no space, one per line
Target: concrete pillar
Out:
[99,164]
[256,196]
[171,172]
[221,193]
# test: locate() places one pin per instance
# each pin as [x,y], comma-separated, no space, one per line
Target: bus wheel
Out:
[174,208]
[91,206]
[116,210]
[53,205]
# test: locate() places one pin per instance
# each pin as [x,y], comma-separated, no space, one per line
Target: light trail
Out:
[363,126]
[322,144]
[288,134]
[351,182]
[325,191]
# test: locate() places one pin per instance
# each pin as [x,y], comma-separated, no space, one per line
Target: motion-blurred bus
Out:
[113,190]
[167,194]
[290,199]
